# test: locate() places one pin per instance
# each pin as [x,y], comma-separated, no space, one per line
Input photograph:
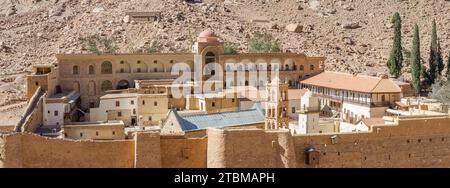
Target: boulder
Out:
[126,19]
[98,9]
[294,28]
[350,25]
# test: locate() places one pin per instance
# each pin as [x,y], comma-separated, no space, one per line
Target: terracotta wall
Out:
[236,148]
[181,152]
[27,150]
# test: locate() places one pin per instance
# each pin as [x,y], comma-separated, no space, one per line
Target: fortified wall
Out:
[412,143]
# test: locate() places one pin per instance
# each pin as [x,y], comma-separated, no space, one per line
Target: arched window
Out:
[213,72]
[228,68]
[91,88]
[76,86]
[240,68]
[91,69]
[286,67]
[301,67]
[210,58]
[106,85]
[75,69]
[106,67]
[311,67]
[123,84]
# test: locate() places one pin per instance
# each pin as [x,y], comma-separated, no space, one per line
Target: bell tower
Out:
[276,105]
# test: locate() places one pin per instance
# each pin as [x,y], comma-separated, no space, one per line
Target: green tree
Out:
[440,61]
[98,44]
[395,61]
[435,60]
[448,68]
[230,48]
[416,67]
[263,43]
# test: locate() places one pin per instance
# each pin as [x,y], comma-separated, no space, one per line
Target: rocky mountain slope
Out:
[355,36]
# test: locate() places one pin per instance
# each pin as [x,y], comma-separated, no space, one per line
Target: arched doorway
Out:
[123,84]
[210,58]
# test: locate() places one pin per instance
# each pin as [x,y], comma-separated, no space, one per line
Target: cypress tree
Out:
[433,59]
[440,61]
[416,67]
[396,57]
[448,67]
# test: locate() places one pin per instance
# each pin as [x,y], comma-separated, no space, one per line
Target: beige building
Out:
[92,75]
[355,97]
[109,130]
[131,108]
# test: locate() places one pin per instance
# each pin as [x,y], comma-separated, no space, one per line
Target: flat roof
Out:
[93,124]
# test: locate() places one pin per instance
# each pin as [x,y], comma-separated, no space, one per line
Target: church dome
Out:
[207,33]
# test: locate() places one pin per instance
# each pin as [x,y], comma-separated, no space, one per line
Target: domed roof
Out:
[207,33]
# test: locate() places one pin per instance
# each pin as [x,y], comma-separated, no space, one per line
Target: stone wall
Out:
[2,150]
[182,152]
[148,150]
[412,143]
[28,150]
[250,148]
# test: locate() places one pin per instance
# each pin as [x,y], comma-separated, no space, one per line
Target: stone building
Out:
[93,75]
[354,97]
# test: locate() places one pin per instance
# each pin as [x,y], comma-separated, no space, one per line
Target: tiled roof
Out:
[294,94]
[360,83]
[221,120]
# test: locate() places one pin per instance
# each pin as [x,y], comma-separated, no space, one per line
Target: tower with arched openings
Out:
[277,105]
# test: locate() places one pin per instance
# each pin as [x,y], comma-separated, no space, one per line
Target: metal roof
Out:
[221,119]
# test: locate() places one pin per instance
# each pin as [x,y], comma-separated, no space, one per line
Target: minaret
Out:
[276,105]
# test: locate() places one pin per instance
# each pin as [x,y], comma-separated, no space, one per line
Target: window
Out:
[119,114]
[49,111]
[91,69]
[75,69]
[210,58]
[55,113]
[155,62]
[132,102]
[213,104]
[232,100]
[301,67]
[114,132]
[91,105]
[311,67]
[122,70]
[81,134]
[293,109]
[122,62]
[143,102]
[155,103]
[117,103]
[138,62]
[155,69]
[96,133]
[171,61]
[134,111]
[37,83]
[138,70]
[106,85]
[149,118]
[106,67]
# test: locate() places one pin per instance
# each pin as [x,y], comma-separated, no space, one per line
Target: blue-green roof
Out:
[222,119]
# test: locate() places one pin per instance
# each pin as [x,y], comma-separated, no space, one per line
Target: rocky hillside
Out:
[355,36]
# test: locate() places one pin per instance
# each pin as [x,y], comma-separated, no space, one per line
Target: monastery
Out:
[122,110]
